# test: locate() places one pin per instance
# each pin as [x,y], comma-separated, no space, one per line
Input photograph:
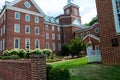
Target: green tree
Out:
[77,45]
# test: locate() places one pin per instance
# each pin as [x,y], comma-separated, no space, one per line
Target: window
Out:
[3,44]
[88,32]
[17,15]
[37,43]
[4,16]
[4,28]
[47,45]
[0,45]
[97,47]
[1,30]
[82,35]
[16,43]
[67,11]
[59,46]
[27,17]
[46,27]
[75,11]
[53,28]
[47,35]
[17,28]
[96,30]
[27,4]
[37,30]
[58,36]
[53,46]
[58,28]
[27,29]
[53,36]
[116,11]
[27,43]
[36,19]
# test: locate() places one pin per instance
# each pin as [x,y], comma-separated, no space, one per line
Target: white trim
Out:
[47,45]
[27,17]
[3,44]
[16,14]
[71,25]
[24,11]
[92,36]
[2,13]
[26,43]
[53,36]
[36,19]
[38,31]
[69,17]
[16,25]
[26,28]
[38,43]
[71,4]
[13,2]
[18,42]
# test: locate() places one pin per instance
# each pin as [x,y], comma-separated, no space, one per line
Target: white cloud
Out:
[55,7]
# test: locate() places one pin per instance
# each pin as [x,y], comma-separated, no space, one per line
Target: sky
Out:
[55,8]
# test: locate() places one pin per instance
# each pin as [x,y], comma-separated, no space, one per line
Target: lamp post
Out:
[27,47]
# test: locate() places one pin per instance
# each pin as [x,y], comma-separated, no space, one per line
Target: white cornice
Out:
[2,12]
[71,4]
[71,25]
[24,11]
[69,17]
[52,24]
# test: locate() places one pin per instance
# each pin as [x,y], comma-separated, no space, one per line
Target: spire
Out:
[70,1]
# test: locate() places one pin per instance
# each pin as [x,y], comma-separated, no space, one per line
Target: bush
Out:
[21,53]
[59,74]
[37,51]
[14,51]
[6,53]
[48,52]
[11,57]
[1,57]
[48,67]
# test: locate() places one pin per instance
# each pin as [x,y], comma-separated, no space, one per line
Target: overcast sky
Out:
[55,8]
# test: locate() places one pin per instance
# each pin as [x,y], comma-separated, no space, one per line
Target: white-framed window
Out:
[96,30]
[47,45]
[27,4]
[0,45]
[46,27]
[37,43]
[53,46]
[88,32]
[58,29]
[27,43]
[17,15]
[27,29]
[36,19]
[82,35]
[47,35]
[59,46]
[16,42]
[1,31]
[75,11]
[27,17]
[4,29]
[58,36]
[17,28]
[67,11]
[97,47]
[3,44]
[37,31]
[53,28]
[53,36]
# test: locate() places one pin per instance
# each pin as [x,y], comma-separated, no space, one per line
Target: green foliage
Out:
[59,74]
[11,57]
[28,53]
[21,53]
[77,45]
[48,67]
[65,50]
[95,19]
[37,51]
[14,51]
[1,57]
[6,53]
[48,52]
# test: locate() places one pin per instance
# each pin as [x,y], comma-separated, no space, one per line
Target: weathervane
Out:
[70,1]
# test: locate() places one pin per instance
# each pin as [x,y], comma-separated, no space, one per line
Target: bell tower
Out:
[70,20]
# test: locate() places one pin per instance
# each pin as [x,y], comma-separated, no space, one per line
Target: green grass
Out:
[80,70]
[70,63]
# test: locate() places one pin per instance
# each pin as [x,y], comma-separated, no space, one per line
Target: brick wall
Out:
[110,55]
[34,69]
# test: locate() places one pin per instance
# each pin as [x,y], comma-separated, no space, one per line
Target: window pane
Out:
[36,19]
[27,17]
[17,15]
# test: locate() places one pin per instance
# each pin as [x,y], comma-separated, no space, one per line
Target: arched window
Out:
[67,11]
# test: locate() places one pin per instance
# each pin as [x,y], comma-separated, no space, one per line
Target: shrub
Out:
[14,57]
[48,67]
[59,74]
[37,51]
[14,51]
[6,53]
[21,53]
[1,57]
[28,53]
[48,52]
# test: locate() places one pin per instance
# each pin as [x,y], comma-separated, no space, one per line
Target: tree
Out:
[77,45]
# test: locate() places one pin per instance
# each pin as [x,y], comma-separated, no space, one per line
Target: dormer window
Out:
[27,4]
[67,11]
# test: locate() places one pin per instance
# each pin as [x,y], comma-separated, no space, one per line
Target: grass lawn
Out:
[80,70]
